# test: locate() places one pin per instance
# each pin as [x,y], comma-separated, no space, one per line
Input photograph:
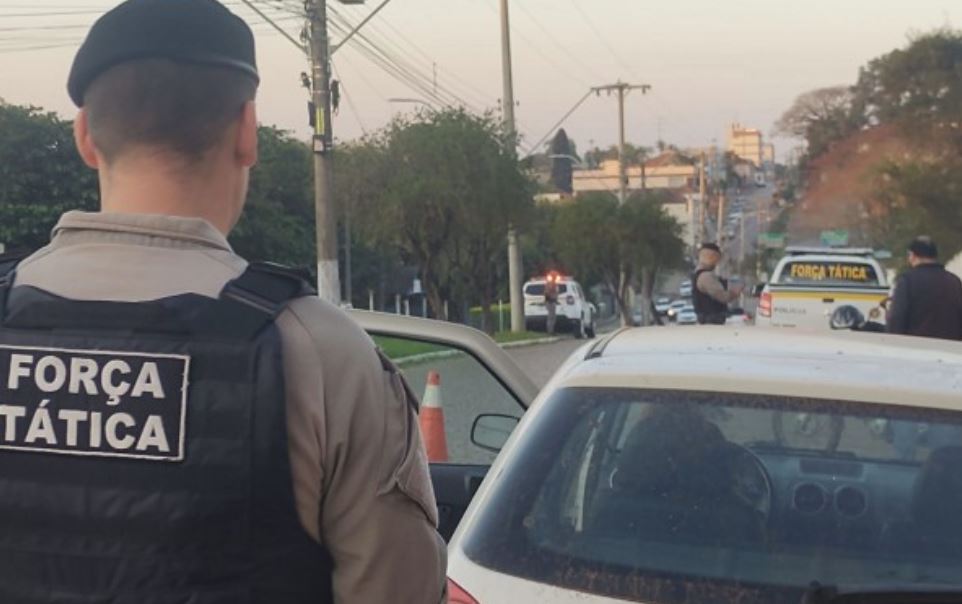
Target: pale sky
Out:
[709,62]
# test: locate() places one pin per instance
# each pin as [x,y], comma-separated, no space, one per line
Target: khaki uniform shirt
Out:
[360,476]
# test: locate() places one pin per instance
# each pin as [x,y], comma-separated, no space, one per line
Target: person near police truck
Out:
[927,300]
[177,424]
[711,294]
[551,301]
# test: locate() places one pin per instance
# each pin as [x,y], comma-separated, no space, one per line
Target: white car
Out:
[685,289]
[687,316]
[754,471]
[662,304]
[573,312]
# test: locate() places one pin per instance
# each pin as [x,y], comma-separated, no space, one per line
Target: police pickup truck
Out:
[808,284]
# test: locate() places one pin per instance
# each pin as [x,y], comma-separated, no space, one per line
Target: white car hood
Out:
[489,587]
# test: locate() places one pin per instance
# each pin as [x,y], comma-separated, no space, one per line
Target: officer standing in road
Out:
[551,301]
[179,425]
[710,293]
[927,300]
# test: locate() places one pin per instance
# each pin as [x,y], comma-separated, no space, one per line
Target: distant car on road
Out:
[685,289]
[675,307]
[681,465]
[662,304]
[687,316]
[759,179]
[574,312]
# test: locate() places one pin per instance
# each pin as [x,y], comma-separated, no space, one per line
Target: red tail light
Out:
[765,305]
[457,595]
[570,300]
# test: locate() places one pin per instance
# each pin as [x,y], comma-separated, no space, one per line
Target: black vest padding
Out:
[115,521]
[708,309]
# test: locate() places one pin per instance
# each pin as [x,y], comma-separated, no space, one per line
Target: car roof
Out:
[851,366]
[855,259]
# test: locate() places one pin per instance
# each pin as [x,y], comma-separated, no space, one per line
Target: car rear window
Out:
[537,289]
[806,272]
[674,496]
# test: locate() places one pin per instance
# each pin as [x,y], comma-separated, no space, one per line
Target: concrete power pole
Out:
[622,89]
[328,280]
[515,266]
[703,198]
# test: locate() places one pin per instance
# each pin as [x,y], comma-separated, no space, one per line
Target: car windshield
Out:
[820,273]
[660,496]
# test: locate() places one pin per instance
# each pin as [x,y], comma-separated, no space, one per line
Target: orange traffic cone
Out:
[432,420]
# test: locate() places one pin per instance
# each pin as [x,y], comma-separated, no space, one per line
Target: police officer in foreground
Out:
[178,425]
[710,293]
[927,300]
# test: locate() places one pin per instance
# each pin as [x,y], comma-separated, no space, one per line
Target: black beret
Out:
[710,246]
[191,31]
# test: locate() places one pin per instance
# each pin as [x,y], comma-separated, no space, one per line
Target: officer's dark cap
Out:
[710,246]
[191,31]
[924,247]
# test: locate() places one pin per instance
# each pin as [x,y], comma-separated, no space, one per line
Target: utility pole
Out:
[515,266]
[622,89]
[328,280]
[703,198]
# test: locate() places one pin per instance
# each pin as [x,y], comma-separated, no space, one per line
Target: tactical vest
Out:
[708,309]
[143,451]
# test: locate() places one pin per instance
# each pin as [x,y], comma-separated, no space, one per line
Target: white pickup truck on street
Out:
[808,284]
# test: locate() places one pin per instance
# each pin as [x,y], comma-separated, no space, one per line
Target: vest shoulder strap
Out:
[268,287]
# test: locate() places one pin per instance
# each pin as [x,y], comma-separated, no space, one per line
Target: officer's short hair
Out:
[181,108]
[924,247]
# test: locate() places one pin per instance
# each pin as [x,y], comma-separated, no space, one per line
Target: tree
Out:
[444,200]
[821,117]
[919,86]
[278,220]
[618,245]
[561,162]
[41,176]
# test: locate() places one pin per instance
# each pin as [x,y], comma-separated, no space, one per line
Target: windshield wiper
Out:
[830,594]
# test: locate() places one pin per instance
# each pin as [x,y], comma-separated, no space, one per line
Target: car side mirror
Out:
[491,430]
[758,289]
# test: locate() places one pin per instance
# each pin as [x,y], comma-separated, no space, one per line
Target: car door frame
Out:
[455,484]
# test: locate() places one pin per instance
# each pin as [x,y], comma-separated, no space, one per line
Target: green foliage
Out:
[278,221]
[439,191]
[601,241]
[919,86]
[41,176]
[920,197]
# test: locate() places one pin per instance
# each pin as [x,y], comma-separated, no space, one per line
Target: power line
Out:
[551,38]
[601,38]
[533,148]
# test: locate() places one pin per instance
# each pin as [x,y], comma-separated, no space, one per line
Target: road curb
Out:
[446,354]
[531,342]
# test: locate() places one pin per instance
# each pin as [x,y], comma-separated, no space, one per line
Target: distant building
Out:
[768,155]
[747,144]
[666,171]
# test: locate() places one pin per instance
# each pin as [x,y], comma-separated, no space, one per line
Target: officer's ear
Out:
[246,140]
[84,141]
